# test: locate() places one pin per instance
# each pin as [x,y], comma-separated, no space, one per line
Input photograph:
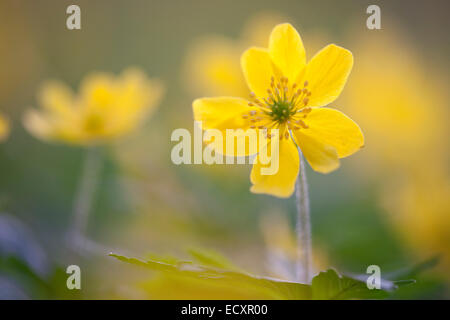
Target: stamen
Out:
[303,124]
[279,105]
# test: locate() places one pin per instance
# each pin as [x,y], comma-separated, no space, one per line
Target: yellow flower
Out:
[106,108]
[286,94]
[4,128]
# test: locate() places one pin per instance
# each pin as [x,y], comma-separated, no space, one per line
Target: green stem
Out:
[304,260]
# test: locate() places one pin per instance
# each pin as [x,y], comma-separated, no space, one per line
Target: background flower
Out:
[405,113]
[212,63]
[106,107]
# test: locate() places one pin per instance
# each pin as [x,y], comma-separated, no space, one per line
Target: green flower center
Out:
[281,111]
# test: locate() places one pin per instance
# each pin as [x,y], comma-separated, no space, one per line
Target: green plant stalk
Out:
[303,228]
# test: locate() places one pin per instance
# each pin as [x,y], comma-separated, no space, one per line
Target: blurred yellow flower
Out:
[324,135]
[106,108]
[402,107]
[212,62]
[213,66]
[420,210]
[398,103]
[4,128]
[258,26]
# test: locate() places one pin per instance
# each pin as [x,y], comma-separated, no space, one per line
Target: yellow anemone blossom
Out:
[287,94]
[106,108]
[4,128]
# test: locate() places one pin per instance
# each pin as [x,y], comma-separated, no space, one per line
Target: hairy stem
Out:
[304,263]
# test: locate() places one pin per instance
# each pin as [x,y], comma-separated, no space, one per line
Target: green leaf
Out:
[211,258]
[215,275]
[329,285]
[261,286]
[415,269]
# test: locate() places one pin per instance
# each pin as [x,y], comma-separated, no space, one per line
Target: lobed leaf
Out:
[268,287]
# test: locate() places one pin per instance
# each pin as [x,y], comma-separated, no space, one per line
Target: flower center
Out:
[93,123]
[284,106]
[281,111]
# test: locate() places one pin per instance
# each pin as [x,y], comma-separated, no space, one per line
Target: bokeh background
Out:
[387,205]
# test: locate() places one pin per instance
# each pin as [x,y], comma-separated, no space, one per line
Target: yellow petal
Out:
[37,124]
[286,50]
[224,113]
[47,127]
[56,97]
[282,183]
[327,73]
[258,70]
[333,128]
[321,157]
[135,100]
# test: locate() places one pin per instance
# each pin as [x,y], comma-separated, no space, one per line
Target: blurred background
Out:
[388,204]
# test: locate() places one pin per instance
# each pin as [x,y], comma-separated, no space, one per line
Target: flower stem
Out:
[304,263]
[85,193]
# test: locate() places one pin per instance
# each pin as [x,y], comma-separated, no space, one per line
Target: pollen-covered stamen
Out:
[257,118]
[298,119]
